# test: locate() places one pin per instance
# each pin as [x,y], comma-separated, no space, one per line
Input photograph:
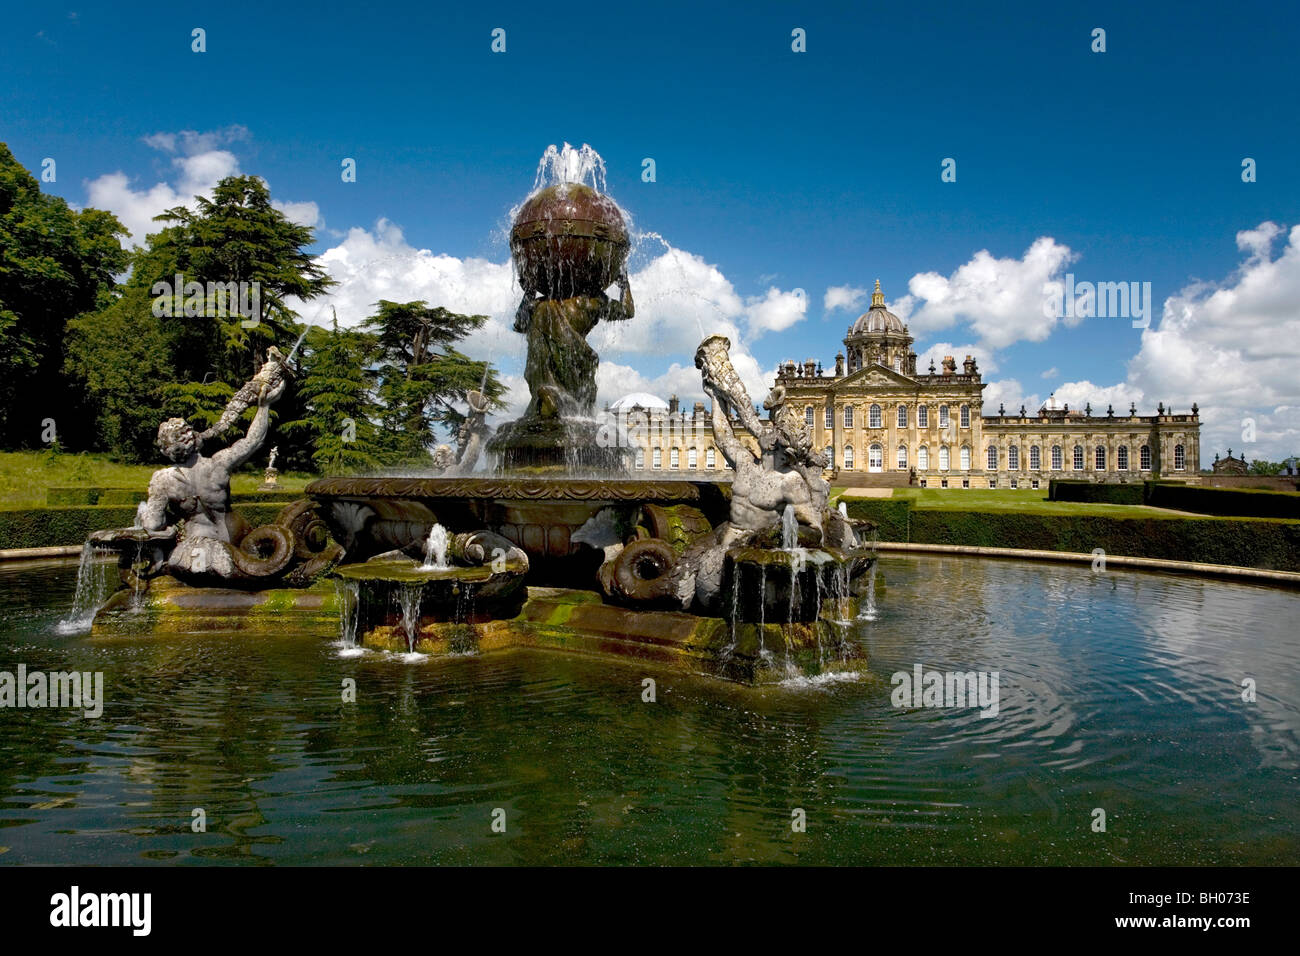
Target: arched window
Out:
[1099,459]
[1013,458]
[943,457]
[1121,457]
[993,458]
[710,458]
[922,416]
[692,459]
[1057,464]
[1180,458]
[943,416]
[1035,458]
[965,416]
[848,416]
[965,458]
[873,416]
[657,456]
[923,458]
[1144,458]
[808,416]
[1078,458]
[902,456]
[902,416]
[848,456]
[640,458]
[674,458]
[875,458]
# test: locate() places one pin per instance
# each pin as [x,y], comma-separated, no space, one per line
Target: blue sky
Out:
[775,170]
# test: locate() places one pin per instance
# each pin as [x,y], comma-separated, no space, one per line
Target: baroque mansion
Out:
[884,424]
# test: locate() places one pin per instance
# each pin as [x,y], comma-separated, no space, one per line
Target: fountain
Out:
[555,546]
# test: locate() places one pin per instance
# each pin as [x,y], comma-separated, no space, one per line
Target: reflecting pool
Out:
[1119,690]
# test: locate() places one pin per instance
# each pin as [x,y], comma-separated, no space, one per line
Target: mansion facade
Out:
[884,424]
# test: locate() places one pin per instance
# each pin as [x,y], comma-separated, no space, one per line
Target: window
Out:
[1015,482]
[902,456]
[993,458]
[1144,458]
[965,416]
[965,458]
[943,416]
[875,458]
[1033,483]
[710,458]
[848,456]
[965,482]
[943,458]
[658,457]
[1013,457]
[1099,459]
[808,416]
[1035,459]
[674,458]
[1180,458]
[692,461]
[848,416]
[898,364]
[923,458]
[902,416]
[922,416]
[640,458]
[1078,458]
[1121,458]
[1056,458]
[923,483]
[993,482]
[828,417]
[943,483]
[873,416]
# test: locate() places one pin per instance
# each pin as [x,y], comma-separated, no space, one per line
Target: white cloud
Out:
[984,357]
[1050,373]
[848,298]
[198,163]
[775,311]
[1001,299]
[1234,348]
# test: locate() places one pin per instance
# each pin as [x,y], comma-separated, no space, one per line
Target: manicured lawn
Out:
[25,475]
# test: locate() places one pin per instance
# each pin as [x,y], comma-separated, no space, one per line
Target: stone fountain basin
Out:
[443,587]
[538,514]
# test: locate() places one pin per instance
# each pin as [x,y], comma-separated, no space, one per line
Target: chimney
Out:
[672,405]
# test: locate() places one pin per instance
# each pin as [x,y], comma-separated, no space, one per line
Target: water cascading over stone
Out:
[570,244]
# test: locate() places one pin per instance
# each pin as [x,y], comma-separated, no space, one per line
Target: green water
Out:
[1117,690]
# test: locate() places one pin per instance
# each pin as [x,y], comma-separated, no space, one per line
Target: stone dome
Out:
[878,318]
[645,400]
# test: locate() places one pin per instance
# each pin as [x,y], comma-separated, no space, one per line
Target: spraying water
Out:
[408,599]
[569,164]
[435,550]
[789,529]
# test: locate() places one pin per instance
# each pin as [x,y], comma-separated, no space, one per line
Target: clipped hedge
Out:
[1245,543]
[47,527]
[1095,492]
[890,515]
[1233,502]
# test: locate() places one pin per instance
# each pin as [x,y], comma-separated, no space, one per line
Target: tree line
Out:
[98,345]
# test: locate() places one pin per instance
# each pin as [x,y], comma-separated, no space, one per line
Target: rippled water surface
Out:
[1119,691]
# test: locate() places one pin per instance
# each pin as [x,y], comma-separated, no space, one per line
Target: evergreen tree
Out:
[55,264]
[337,387]
[422,377]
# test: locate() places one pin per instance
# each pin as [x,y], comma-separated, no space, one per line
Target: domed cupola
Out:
[878,318]
[880,337]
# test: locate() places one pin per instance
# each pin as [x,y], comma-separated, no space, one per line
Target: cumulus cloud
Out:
[198,162]
[1233,347]
[843,297]
[680,300]
[1000,299]
[775,311]
[984,357]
